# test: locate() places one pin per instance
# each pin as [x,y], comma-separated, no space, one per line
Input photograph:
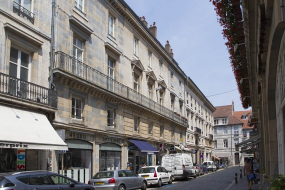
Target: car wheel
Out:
[143,185]
[170,180]
[159,183]
[122,187]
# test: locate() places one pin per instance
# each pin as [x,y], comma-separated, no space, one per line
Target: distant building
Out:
[230,128]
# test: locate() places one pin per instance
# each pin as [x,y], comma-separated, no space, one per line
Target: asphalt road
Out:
[219,180]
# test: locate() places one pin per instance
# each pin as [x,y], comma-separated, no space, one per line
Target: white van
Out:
[210,166]
[180,165]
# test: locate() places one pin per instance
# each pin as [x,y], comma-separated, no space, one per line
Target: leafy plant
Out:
[278,183]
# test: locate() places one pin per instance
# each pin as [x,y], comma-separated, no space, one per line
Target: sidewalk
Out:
[242,184]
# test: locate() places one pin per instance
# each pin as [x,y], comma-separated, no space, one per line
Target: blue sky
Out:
[196,39]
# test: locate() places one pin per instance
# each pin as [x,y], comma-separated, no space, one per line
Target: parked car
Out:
[179,165]
[201,169]
[31,180]
[155,175]
[118,180]
[210,166]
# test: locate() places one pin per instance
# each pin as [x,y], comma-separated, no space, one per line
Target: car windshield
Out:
[146,170]
[103,175]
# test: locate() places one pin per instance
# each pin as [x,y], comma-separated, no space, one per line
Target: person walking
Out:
[246,171]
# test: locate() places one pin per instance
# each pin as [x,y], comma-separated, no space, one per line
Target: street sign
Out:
[201,156]
[64,151]
[171,147]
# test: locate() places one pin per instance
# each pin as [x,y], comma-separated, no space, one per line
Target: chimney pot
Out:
[153,23]
[171,53]
[143,18]
[167,46]
[144,21]
[153,29]
[150,26]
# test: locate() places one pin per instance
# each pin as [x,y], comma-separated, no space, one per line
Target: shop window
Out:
[150,127]
[109,160]
[76,108]
[8,160]
[111,117]
[136,124]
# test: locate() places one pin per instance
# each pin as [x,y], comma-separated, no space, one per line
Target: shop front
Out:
[27,141]
[140,153]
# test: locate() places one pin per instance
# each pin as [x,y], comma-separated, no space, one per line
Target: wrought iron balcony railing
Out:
[25,90]
[75,67]
[23,12]
[198,130]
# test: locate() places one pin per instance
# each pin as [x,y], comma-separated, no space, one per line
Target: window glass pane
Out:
[13,70]
[101,175]
[24,74]
[78,113]
[14,55]
[24,179]
[39,180]
[79,54]
[27,4]
[58,180]
[130,174]
[122,174]
[24,59]
[78,104]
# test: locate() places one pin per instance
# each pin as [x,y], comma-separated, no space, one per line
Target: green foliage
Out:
[277,183]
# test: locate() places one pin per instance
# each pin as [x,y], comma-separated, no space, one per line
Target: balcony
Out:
[72,66]
[23,12]
[24,90]
[197,131]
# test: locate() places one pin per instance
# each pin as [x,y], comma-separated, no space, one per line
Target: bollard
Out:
[236,178]
[240,173]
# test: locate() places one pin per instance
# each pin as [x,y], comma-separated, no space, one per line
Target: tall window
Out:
[149,58]
[111,27]
[181,106]
[215,131]
[136,46]
[172,104]
[161,97]
[77,66]
[236,131]
[225,130]
[149,86]
[150,126]
[160,68]
[180,86]
[171,79]
[181,136]
[76,111]
[19,64]
[111,117]
[225,143]
[215,144]
[172,132]
[187,99]
[79,4]
[161,131]
[136,123]
[136,83]
[111,74]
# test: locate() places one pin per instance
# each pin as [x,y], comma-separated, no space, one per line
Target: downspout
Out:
[52,46]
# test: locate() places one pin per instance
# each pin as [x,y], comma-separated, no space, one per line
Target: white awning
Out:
[28,130]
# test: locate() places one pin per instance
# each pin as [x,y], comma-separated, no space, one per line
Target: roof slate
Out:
[238,115]
[223,111]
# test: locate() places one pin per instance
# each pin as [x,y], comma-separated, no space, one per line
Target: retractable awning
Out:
[144,146]
[27,130]
[250,145]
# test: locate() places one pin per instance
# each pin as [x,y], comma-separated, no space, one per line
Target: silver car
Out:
[118,180]
[40,180]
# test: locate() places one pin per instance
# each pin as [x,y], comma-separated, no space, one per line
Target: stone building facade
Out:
[116,86]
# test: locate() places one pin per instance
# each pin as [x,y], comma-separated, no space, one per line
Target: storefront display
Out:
[110,157]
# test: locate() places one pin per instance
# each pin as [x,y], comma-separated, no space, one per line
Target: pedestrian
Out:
[246,171]
[143,165]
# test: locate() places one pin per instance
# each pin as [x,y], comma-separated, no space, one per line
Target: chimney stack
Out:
[167,46]
[171,53]
[153,29]
[144,21]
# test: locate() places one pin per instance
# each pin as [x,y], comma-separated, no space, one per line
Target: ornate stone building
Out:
[117,88]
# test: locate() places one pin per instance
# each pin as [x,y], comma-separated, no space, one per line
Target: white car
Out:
[155,175]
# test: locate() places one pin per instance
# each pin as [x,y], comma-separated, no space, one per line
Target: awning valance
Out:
[28,130]
[144,146]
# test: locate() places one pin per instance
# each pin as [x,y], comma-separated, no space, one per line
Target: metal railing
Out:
[25,90]
[74,66]
[23,12]
[198,130]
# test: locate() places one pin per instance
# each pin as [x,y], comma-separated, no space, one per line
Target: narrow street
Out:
[219,180]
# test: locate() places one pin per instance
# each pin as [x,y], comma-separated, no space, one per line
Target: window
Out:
[160,68]
[161,97]
[236,131]
[161,131]
[76,108]
[136,83]
[171,79]
[111,117]
[79,4]
[150,125]
[149,90]
[244,134]
[215,144]
[111,74]
[180,86]
[149,58]
[77,66]
[244,116]
[59,180]
[225,130]
[111,25]
[172,104]
[181,106]
[236,141]
[224,121]
[216,121]
[215,131]
[19,64]
[39,179]
[136,124]
[187,98]
[136,48]
[172,132]
[225,143]
[181,137]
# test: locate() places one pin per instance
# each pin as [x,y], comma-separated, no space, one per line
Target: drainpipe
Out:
[52,46]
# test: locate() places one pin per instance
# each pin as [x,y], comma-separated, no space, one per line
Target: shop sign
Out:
[112,140]
[171,147]
[21,156]
[13,145]
[77,135]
